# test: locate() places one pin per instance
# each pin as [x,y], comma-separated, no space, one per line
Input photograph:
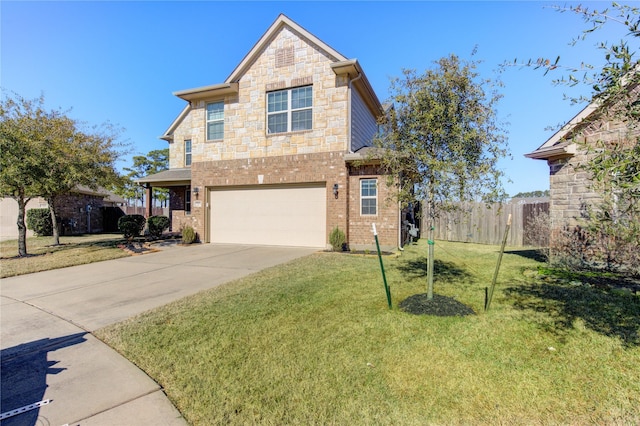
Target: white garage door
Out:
[274,215]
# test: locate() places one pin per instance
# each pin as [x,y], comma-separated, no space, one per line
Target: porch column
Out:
[148,209]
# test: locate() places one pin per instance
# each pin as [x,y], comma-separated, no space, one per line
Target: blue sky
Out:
[120,61]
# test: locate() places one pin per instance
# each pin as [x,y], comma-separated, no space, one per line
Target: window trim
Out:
[218,120]
[368,197]
[289,110]
[188,154]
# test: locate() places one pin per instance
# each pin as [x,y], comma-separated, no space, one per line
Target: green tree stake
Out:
[495,274]
[384,277]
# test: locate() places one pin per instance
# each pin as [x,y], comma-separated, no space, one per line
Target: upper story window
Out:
[215,120]
[187,152]
[290,110]
[369,197]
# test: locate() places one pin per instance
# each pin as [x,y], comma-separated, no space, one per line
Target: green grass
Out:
[312,342]
[73,250]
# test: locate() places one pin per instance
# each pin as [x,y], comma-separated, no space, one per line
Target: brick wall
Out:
[360,229]
[290,169]
[71,209]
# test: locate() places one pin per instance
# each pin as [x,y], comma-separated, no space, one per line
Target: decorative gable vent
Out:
[284,57]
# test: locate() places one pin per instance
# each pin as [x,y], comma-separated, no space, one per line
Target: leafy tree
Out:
[443,140]
[613,166]
[532,194]
[155,161]
[48,155]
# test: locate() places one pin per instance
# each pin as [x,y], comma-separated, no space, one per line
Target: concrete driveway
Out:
[55,372]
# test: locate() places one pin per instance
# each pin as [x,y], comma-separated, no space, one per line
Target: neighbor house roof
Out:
[171,177]
[559,144]
[341,66]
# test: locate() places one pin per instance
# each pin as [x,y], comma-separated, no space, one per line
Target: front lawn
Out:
[73,250]
[313,342]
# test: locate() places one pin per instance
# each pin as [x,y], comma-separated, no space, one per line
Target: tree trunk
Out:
[431,244]
[54,222]
[22,228]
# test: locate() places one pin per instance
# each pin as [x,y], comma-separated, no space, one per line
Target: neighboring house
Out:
[80,212]
[571,191]
[277,153]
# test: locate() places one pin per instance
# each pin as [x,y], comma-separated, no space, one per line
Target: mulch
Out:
[441,306]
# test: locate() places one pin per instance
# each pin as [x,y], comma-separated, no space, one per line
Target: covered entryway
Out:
[284,215]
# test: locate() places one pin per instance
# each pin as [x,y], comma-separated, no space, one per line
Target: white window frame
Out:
[368,196]
[217,120]
[289,111]
[188,152]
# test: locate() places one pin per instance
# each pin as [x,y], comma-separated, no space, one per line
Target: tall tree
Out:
[48,155]
[442,139]
[154,162]
[23,128]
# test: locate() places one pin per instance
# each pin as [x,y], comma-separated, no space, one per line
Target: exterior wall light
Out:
[196,191]
[335,190]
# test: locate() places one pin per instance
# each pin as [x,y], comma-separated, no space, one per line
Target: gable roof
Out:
[341,66]
[275,28]
[556,146]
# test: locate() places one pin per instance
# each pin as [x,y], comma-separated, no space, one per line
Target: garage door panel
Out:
[286,215]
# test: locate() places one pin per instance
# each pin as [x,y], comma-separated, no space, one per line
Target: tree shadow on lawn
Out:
[443,306]
[609,310]
[532,254]
[442,271]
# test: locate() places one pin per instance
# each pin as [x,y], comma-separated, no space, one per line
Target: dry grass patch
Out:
[73,250]
[312,342]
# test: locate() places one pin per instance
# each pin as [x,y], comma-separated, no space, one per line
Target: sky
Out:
[119,62]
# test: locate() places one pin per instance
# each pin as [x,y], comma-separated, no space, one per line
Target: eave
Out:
[352,69]
[171,177]
[561,150]
[207,92]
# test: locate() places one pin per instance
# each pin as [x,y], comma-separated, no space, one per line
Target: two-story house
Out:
[276,154]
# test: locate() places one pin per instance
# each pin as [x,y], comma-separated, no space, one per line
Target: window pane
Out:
[277,123]
[215,130]
[277,101]
[368,206]
[215,111]
[301,97]
[369,188]
[187,152]
[301,120]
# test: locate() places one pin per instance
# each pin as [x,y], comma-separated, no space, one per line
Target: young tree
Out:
[441,140]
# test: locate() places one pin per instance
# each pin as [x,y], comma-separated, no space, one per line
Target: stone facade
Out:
[248,155]
[571,189]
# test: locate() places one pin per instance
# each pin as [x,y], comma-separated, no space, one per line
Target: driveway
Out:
[54,371]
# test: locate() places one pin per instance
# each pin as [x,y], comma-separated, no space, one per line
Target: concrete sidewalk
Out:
[48,351]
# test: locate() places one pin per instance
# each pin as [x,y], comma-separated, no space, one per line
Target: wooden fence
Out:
[156,211]
[475,223]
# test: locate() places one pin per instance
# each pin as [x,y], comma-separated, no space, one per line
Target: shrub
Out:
[131,225]
[537,233]
[337,239]
[188,235]
[39,221]
[157,225]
